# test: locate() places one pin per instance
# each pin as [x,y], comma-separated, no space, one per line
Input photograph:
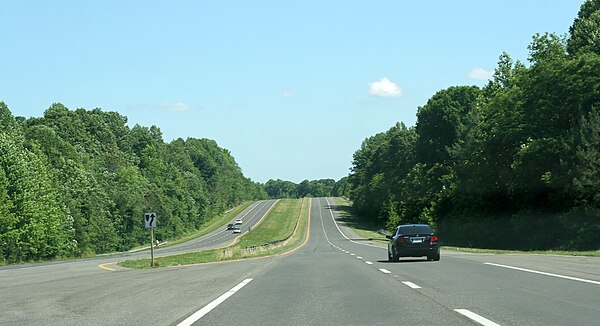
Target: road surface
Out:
[335,278]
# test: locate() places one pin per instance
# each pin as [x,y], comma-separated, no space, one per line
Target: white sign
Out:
[149,220]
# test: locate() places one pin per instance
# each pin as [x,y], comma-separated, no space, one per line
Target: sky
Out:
[290,88]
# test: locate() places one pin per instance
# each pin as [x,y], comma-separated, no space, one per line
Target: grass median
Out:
[279,224]
[213,224]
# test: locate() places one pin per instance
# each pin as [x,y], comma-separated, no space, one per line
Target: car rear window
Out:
[415,229]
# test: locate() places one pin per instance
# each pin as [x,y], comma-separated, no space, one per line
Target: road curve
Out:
[219,238]
[335,278]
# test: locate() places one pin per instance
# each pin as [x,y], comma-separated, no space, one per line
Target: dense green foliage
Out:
[77,182]
[515,164]
[313,188]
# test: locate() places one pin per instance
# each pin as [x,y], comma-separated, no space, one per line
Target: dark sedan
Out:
[413,240]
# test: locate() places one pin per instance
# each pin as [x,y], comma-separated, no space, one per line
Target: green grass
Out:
[364,228]
[277,225]
[212,225]
[183,259]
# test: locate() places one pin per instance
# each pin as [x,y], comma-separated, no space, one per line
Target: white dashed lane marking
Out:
[383,270]
[476,318]
[411,285]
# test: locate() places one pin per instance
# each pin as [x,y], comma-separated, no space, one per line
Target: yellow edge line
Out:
[107,268]
[245,258]
[307,231]
[236,239]
[260,257]
[226,246]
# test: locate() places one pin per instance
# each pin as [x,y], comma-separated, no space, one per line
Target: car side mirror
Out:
[387,236]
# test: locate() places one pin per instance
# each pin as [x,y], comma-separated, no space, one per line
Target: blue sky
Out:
[291,88]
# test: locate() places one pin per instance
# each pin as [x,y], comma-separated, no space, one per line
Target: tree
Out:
[441,119]
[586,179]
[37,226]
[584,33]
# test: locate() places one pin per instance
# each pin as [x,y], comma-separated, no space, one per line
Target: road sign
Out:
[149,220]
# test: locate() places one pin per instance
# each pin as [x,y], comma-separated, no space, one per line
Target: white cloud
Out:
[287,93]
[385,88]
[480,73]
[179,106]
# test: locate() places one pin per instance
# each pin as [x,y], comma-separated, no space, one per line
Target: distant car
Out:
[237,229]
[413,240]
[230,226]
[238,221]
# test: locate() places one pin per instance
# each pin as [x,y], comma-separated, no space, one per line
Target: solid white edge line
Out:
[475,317]
[544,273]
[342,233]
[411,285]
[212,305]
[383,270]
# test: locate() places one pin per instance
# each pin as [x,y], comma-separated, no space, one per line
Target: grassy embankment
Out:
[279,224]
[367,229]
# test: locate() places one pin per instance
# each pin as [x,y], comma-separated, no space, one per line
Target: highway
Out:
[334,278]
[221,236]
[216,239]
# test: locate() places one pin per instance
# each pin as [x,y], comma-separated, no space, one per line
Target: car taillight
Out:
[434,238]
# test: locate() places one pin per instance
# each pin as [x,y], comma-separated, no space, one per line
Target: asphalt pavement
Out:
[334,278]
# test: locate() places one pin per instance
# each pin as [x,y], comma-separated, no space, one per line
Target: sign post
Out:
[150,222]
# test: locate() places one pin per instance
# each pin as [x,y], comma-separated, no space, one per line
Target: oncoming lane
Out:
[222,237]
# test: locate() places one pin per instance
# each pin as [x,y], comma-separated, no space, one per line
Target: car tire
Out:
[390,258]
[395,258]
[436,257]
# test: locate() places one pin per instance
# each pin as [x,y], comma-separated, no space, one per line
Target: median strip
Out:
[281,228]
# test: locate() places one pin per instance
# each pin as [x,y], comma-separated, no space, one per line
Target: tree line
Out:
[307,188]
[76,182]
[514,164]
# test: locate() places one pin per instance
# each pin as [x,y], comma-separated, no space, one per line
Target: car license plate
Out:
[417,240]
